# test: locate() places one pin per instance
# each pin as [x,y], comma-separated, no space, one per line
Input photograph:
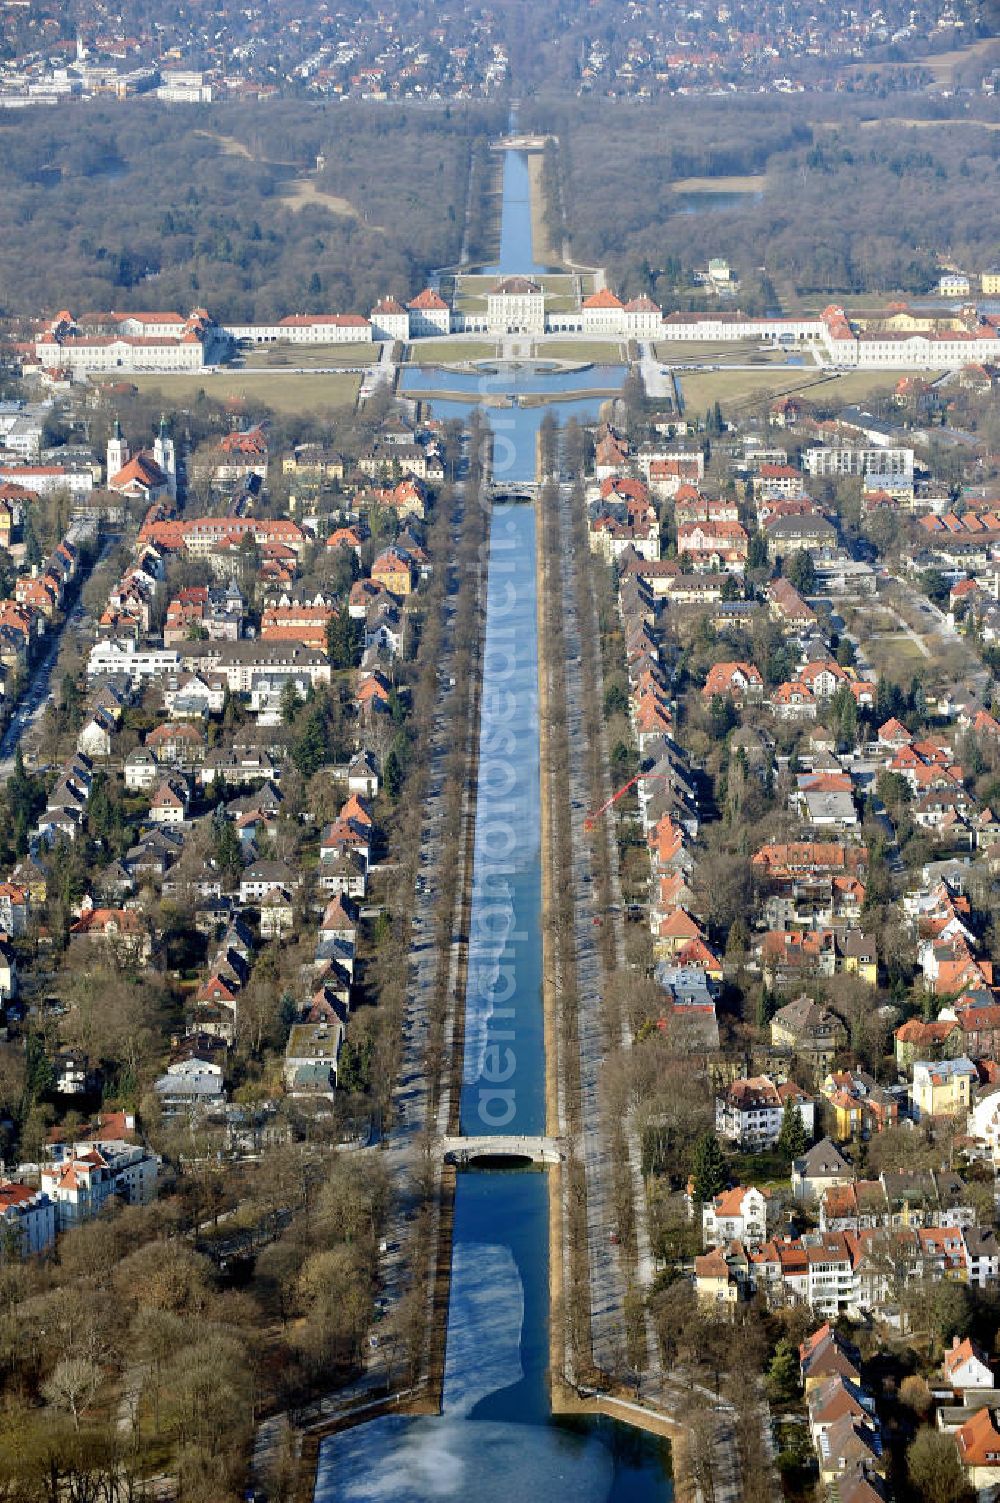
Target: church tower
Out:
[163,453]
[118,451]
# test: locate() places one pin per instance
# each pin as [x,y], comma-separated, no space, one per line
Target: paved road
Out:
[659,383]
[382,373]
[34,701]
[607,1277]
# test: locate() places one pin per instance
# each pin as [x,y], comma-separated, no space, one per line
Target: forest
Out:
[223,206]
[854,200]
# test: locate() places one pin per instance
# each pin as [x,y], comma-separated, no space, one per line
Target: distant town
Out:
[54,53]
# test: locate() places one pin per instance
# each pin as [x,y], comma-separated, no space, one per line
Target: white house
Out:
[27,1219]
[138,663]
[390,320]
[190,1084]
[984,1123]
[94,738]
[79,1187]
[965,1366]
[739,1215]
[141,770]
[429,313]
[750,1111]
[954,284]
[264,877]
[515,305]
[169,803]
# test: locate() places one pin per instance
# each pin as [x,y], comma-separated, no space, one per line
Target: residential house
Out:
[311,1058]
[741,682]
[978,1442]
[740,1214]
[965,1366]
[811,1031]
[27,1220]
[177,741]
[190,1085]
[750,1112]
[820,1167]
[715,1286]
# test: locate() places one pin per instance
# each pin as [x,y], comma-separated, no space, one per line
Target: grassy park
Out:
[282,393]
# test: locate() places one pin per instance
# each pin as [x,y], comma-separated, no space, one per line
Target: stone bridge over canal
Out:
[517,1149]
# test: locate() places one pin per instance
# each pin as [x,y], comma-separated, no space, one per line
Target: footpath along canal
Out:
[497,1440]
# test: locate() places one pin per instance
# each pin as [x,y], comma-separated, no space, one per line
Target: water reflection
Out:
[496,1440]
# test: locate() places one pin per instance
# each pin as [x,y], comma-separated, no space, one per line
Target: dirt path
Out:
[542,248]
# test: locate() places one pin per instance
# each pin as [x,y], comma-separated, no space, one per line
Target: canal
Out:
[496,1437]
[516,250]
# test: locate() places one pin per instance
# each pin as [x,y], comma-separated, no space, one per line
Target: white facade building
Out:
[307,328]
[515,305]
[885,464]
[27,1220]
[140,663]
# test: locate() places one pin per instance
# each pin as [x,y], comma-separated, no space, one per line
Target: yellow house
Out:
[714,1284]
[847,1114]
[313,462]
[674,931]
[942,1088]
[990,280]
[394,572]
[859,957]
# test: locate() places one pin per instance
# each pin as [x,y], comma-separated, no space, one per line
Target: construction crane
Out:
[591,819]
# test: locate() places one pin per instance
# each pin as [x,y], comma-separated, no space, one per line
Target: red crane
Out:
[591,819]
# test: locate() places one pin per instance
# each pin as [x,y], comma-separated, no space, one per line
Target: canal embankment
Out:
[543,247]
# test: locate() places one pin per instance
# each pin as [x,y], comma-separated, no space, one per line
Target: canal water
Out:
[516,251]
[517,380]
[496,1440]
[503,1081]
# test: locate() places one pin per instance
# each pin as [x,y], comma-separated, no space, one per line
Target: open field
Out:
[942,64]
[853,386]
[754,182]
[695,351]
[735,387]
[894,655]
[926,124]
[311,356]
[700,389]
[234,148]
[305,190]
[279,392]
[450,351]
[297,193]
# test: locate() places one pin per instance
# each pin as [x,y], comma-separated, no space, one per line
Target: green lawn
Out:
[600,351]
[856,385]
[700,389]
[450,351]
[691,351]
[310,356]
[895,655]
[281,393]
[736,387]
